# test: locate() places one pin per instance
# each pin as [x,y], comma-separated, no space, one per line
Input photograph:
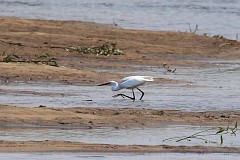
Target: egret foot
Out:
[118,95]
[123,96]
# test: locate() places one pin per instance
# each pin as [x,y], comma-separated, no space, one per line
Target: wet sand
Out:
[63,146]
[110,117]
[28,38]
[88,118]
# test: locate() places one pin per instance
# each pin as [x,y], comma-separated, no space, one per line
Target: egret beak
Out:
[104,84]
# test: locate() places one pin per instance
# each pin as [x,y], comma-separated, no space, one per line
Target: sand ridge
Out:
[29,39]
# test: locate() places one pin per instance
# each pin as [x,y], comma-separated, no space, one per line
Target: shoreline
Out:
[31,39]
[65,146]
[89,117]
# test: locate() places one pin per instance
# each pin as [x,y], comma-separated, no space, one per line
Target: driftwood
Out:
[224,44]
[12,43]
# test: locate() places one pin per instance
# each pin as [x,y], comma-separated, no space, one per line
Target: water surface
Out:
[214,17]
[215,88]
[117,156]
[124,136]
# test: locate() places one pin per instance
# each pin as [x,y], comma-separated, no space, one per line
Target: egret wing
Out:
[131,82]
[147,78]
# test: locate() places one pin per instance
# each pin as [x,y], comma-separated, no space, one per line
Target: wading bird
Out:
[131,82]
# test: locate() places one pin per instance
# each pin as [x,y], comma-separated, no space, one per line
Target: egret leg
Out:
[141,92]
[123,95]
[133,95]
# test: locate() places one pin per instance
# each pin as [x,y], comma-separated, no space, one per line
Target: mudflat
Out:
[26,41]
[29,39]
[112,117]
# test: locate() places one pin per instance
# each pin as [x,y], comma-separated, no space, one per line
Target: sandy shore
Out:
[29,39]
[102,117]
[62,146]
[109,117]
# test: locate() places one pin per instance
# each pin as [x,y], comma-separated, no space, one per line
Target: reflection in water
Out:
[208,89]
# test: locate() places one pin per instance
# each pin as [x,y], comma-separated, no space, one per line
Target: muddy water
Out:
[203,89]
[117,156]
[128,136]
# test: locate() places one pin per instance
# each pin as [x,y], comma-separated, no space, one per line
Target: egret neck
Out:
[114,86]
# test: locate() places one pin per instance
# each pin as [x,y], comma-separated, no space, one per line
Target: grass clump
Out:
[42,59]
[105,49]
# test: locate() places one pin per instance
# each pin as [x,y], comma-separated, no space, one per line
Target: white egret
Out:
[130,82]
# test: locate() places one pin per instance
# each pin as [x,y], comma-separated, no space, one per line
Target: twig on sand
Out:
[43,59]
[168,68]
[224,44]
[193,31]
[200,136]
[12,43]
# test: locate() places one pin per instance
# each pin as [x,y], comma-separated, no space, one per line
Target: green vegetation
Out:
[203,135]
[105,49]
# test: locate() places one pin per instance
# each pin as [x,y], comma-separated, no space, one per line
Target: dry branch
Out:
[12,43]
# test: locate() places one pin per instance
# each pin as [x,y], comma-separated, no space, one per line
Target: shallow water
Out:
[126,136]
[214,88]
[150,136]
[214,17]
[118,156]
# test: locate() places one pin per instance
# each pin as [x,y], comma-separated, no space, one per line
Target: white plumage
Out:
[130,82]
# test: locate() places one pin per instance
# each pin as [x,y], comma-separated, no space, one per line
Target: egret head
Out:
[114,85]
